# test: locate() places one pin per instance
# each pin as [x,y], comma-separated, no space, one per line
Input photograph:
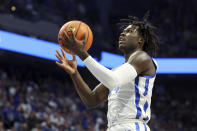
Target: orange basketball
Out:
[80,29]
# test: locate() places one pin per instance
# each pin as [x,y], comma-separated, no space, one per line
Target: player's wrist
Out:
[74,73]
[83,54]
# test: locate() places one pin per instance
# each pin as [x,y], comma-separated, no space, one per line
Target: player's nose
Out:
[122,34]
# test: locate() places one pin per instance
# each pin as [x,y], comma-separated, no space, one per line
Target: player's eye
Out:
[129,31]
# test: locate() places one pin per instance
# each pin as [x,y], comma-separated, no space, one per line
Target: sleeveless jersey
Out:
[131,101]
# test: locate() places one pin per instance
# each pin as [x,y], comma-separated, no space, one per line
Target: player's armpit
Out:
[99,95]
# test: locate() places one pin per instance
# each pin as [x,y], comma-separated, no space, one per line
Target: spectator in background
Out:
[8,115]
[2,126]
[19,118]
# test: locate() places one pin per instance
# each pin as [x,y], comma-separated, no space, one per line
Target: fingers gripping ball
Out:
[80,30]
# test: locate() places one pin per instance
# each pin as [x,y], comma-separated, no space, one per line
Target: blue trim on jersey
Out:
[146,87]
[117,89]
[137,98]
[145,126]
[146,119]
[137,126]
[145,106]
[114,89]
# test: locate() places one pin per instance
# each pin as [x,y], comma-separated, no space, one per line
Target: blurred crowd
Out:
[30,101]
[45,105]
[176,20]
[173,110]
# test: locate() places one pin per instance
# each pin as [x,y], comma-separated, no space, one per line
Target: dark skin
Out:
[130,43]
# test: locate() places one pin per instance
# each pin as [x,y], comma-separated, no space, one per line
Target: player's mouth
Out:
[121,39]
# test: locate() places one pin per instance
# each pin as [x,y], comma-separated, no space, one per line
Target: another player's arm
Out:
[90,98]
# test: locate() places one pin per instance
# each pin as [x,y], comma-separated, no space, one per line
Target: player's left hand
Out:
[70,66]
[70,42]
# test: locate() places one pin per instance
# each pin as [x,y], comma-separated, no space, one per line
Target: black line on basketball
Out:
[66,27]
[88,36]
[77,29]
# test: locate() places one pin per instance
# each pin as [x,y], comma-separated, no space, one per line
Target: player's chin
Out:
[121,47]
[121,44]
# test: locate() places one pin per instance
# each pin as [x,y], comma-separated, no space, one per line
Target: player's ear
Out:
[141,41]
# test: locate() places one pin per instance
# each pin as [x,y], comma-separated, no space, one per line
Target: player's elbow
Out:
[90,103]
[91,106]
[111,83]
[95,103]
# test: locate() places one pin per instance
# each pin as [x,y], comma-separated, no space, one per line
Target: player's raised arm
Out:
[111,79]
[90,98]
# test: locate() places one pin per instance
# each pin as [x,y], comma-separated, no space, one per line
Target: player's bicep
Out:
[100,94]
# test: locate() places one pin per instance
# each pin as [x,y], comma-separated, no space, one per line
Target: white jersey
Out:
[131,102]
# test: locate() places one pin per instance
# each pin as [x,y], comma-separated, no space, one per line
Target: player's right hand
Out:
[70,66]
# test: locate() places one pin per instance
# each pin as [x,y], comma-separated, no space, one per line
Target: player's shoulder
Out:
[140,57]
[142,63]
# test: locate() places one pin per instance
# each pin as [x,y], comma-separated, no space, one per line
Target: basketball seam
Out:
[66,33]
[88,36]
[78,29]
[67,26]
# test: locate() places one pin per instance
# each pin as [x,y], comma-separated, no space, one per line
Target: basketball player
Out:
[128,88]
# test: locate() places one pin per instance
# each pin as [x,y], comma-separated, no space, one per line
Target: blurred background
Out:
[36,95]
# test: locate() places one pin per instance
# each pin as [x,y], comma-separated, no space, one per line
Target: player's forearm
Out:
[83,90]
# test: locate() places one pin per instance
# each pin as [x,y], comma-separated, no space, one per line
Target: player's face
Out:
[129,38]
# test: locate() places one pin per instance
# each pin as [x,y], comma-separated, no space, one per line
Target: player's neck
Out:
[127,55]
